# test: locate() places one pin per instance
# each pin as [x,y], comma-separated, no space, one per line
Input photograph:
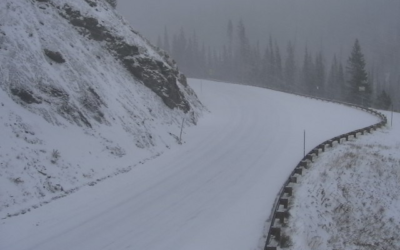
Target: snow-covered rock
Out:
[82,97]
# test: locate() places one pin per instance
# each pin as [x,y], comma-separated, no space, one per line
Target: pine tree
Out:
[243,53]
[187,67]
[254,65]
[225,62]
[181,47]
[271,63]
[383,101]
[319,75]
[229,57]
[175,48]
[336,82]
[290,66]
[203,61]
[278,67]
[333,88]
[230,37]
[308,73]
[196,60]
[341,82]
[166,45]
[159,42]
[210,63]
[265,68]
[358,77]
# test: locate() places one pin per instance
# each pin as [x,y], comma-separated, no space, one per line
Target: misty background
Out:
[323,27]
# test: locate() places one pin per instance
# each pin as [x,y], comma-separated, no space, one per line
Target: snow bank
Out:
[350,197]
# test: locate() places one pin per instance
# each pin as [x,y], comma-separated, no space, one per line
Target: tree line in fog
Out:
[278,66]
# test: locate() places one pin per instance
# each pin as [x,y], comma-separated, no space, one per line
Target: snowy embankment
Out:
[213,192]
[71,111]
[349,198]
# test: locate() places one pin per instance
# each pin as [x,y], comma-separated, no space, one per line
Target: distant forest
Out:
[281,67]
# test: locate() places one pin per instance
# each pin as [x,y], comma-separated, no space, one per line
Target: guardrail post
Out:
[284,202]
[288,190]
[281,215]
[298,171]
[276,231]
[303,164]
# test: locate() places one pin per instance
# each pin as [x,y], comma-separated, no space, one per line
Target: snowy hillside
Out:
[214,192]
[82,97]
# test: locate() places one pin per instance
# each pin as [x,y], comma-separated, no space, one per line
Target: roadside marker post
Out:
[304,144]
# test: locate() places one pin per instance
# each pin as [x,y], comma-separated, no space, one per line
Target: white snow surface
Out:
[215,191]
[350,197]
[130,124]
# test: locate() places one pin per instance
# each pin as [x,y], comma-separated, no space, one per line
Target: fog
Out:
[333,24]
[330,26]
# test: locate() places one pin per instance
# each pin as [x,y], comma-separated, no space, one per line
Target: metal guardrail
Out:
[281,207]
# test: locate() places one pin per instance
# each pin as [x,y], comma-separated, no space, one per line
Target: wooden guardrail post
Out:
[284,202]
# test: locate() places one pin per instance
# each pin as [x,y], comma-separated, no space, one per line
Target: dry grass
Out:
[353,197]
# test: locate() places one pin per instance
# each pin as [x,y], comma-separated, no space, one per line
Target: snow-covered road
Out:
[213,192]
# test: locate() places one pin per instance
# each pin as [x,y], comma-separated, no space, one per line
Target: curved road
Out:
[213,192]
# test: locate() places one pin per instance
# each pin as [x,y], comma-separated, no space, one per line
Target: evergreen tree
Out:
[358,79]
[210,63]
[271,63]
[175,48]
[265,79]
[230,37]
[308,84]
[383,101]
[333,90]
[319,75]
[166,44]
[196,57]
[189,58]
[341,81]
[229,61]
[255,65]
[225,62]
[159,42]
[203,61]
[278,67]
[181,46]
[243,52]
[290,66]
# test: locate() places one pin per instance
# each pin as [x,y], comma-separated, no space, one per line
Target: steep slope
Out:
[82,97]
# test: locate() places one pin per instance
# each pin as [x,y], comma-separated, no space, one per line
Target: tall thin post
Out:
[391,118]
[201,87]
[304,145]
[180,136]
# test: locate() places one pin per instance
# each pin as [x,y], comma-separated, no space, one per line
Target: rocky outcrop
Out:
[54,55]
[159,76]
[81,19]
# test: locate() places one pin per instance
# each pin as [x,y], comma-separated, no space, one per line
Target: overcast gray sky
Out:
[332,25]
